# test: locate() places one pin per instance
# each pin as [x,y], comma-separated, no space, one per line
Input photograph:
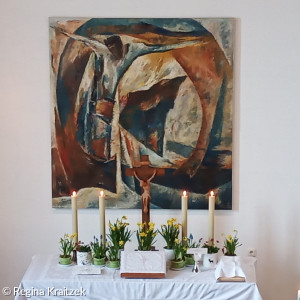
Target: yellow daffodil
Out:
[121,243]
[73,236]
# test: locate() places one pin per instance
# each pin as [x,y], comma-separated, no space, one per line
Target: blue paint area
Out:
[81,117]
[211,155]
[148,126]
[189,27]
[63,101]
[179,148]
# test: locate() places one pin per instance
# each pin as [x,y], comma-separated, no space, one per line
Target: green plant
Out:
[99,248]
[119,234]
[211,246]
[230,244]
[113,252]
[191,244]
[170,232]
[145,235]
[67,244]
[179,249]
[80,247]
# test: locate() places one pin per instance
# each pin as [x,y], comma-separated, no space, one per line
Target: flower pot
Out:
[177,265]
[113,264]
[99,261]
[84,258]
[210,260]
[65,260]
[169,254]
[189,261]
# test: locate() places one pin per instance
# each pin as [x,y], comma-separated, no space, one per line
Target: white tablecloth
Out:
[45,278]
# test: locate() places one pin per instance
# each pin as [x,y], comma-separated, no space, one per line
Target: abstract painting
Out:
[126,88]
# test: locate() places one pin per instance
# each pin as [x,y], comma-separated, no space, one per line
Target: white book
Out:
[143,264]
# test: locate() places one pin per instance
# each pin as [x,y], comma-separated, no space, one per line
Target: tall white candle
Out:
[184,208]
[211,213]
[102,214]
[74,216]
[298,298]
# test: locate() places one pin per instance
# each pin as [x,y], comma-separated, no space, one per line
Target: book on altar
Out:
[143,264]
[229,268]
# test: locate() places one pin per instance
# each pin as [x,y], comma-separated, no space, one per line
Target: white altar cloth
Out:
[45,277]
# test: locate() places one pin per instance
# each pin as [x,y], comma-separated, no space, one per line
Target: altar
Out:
[45,278]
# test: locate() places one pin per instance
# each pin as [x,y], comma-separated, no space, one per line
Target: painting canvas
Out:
[123,88]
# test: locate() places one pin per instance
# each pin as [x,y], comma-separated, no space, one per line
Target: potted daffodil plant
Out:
[67,245]
[231,242]
[119,234]
[170,233]
[179,251]
[146,236]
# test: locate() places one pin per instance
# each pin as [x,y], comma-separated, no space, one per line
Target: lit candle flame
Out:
[212,193]
[74,194]
[184,193]
[101,193]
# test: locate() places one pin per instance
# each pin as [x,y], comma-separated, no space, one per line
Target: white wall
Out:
[266,145]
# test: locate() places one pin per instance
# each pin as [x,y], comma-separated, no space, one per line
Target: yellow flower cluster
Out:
[231,242]
[145,235]
[229,238]
[71,237]
[171,221]
[170,232]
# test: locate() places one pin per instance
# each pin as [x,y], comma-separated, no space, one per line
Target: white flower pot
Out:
[169,254]
[210,260]
[84,258]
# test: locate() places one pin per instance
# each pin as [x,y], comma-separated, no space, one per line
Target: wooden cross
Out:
[144,174]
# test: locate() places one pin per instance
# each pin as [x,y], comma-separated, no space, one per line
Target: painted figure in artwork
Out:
[112,56]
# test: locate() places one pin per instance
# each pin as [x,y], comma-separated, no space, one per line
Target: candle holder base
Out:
[74,257]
